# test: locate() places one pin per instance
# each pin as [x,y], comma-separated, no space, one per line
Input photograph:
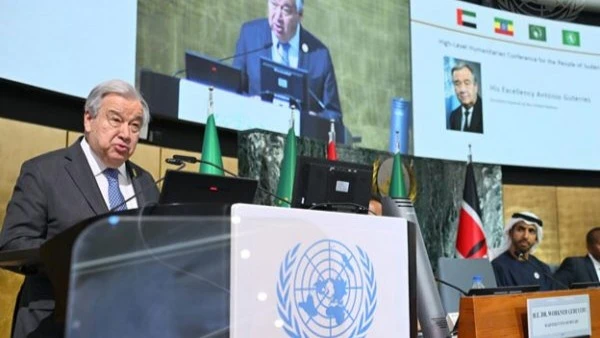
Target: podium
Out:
[50,265]
[180,99]
[506,315]
[156,273]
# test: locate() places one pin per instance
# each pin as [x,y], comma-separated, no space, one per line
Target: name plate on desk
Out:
[567,316]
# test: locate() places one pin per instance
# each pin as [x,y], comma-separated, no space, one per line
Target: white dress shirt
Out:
[293,53]
[98,167]
[596,265]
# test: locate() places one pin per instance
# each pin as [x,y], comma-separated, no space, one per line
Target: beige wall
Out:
[20,141]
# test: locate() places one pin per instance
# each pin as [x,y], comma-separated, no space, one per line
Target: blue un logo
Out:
[328,290]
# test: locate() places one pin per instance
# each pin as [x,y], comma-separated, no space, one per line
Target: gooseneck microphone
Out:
[521,256]
[191,159]
[251,51]
[172,161]
[463,292]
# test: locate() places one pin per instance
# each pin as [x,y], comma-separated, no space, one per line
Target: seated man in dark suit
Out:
[468,116]
[293,46]
[584,269]
[58,189]
[516,265]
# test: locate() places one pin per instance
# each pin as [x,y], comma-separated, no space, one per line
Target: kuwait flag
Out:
[466,18]
[470,238]
[503,26]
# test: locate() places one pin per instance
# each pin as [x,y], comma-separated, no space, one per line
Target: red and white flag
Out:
[331,151]
[470,237]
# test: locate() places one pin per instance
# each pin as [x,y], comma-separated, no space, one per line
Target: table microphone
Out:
[252,51]
[191,159]
[172,161]
[521,255]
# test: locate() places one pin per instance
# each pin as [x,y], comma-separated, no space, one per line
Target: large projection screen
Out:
[537,83]
[67,46]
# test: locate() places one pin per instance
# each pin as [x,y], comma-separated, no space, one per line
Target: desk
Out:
[506,315]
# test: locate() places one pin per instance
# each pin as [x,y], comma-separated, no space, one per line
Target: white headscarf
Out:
[524,216]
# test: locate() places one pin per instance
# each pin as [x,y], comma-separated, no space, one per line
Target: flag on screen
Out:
[331,150]
[287,172]
[466,18]
[537,33]
[211,148]
[470,237]
[571,38]
[504,26]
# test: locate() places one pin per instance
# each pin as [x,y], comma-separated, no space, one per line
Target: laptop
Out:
[284,83]
[202,69]
[189,187]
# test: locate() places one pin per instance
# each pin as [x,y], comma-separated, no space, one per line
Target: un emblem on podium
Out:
[328,290]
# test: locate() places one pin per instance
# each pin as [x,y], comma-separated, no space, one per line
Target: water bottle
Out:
[477,282]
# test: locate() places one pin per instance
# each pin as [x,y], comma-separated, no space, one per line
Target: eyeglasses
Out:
[116,121]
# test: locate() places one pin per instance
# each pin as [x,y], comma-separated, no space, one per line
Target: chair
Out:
[459,272]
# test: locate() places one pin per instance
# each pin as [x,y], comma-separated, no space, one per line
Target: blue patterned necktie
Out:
[115,197]
[285,53]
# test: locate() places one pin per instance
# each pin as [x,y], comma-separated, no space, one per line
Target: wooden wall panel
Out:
[542,201]
[578,212]
[18,142]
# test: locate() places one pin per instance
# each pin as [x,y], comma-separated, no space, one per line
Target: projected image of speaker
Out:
[332,185]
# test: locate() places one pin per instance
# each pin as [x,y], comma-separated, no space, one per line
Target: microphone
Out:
[463,292]
[251,51]
[521,255]
[191,159]
[265,46]
[314,96]
[172,161]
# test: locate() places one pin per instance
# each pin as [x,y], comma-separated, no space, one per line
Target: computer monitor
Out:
[584,285]
[189,187]
[332,185]
[284,83]
[203,69]
[503,290]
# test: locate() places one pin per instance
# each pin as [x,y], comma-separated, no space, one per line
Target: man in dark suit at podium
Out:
[293,46]
[468,116]
[584,269]
[61,188]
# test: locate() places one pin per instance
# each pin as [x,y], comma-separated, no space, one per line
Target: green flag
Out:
[287,171]
[211,149]
[397,187]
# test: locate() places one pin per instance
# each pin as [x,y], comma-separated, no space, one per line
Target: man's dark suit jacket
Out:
[53,192]
[314,58]
[576,270]
[476,125]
